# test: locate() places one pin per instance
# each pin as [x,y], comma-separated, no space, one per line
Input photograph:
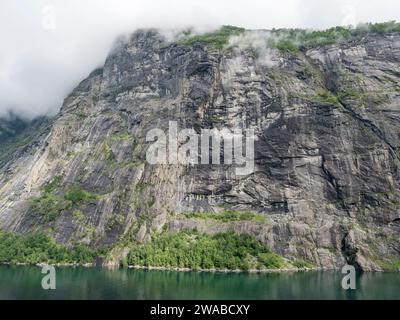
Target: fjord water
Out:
[21,282]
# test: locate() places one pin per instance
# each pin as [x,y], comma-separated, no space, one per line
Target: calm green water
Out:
[88,283]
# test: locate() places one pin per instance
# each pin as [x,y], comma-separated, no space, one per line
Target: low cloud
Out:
[48,46]
[256,40]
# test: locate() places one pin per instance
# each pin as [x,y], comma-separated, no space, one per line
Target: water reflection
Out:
[88,283]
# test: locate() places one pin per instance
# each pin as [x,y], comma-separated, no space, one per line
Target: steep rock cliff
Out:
[326,177]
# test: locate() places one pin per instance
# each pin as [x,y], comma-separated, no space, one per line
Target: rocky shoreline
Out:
[138,267]
[177,269]
[227,270]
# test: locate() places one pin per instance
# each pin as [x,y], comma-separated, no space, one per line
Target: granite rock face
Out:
[326,176]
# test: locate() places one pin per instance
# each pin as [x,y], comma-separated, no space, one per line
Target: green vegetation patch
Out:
[53,184]
[78,215]
[49,206]
[290,40]
[124,135]
[226,216]
[326,97]
[40,248]
[76,194]
[351,94]
[53,200]
[379,28]
[116,220]
[108,153]
[200,251]
[219,38]
[284,45]
[389,265]
[369,98]
[325,37]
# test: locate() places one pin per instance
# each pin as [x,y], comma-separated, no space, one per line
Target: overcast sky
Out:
[49,46]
